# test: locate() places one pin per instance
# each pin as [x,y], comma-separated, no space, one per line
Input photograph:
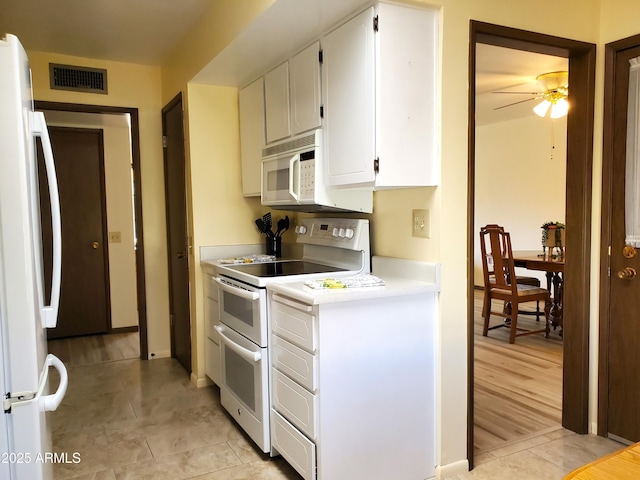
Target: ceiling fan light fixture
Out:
[559,108]
[542,107]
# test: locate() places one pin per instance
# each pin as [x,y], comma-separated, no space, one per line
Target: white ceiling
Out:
[145,32]
[135,31]
[506,70]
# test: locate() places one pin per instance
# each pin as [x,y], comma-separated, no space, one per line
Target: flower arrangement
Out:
[552,235]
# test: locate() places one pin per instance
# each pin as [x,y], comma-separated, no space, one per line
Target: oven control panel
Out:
[342,232]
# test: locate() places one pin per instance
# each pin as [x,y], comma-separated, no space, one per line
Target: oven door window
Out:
[239,308]
[244,310]
[240,378]
[244,370]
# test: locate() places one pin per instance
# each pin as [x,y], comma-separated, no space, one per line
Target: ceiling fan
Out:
[554,95]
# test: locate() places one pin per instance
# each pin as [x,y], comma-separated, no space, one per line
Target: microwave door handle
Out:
[243,352]
[292,162]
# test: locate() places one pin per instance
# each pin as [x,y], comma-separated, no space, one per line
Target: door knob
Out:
[95,245]
[627,273]
[628,251]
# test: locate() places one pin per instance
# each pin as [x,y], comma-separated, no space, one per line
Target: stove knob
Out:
[301,229]
[349,233]
[341,233]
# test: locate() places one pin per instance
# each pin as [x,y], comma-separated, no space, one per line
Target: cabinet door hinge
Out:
[321,111]
[320,57]
[375,23]
[164,141]
[376,165]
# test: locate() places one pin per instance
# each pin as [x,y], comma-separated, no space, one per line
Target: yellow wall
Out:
[132,86]
[219,214]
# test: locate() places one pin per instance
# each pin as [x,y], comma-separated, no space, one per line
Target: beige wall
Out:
[132,86]
[219,214]
[520,180]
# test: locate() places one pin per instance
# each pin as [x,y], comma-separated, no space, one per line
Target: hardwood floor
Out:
[518,388]
[93,349]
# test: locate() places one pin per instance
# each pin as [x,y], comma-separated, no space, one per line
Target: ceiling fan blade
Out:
[515,103]
[520,93]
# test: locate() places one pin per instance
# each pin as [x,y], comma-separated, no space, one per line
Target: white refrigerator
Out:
[25,440]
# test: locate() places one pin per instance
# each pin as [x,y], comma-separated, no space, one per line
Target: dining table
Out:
[553,266]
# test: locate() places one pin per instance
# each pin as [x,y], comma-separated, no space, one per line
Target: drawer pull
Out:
[291,303]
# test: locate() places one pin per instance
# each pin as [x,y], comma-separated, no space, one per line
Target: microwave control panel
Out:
[307,179]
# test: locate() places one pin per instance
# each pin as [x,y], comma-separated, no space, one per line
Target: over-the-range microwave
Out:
[293,179]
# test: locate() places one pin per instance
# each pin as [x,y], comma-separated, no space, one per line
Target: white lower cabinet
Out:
[211,319]
[299,451]
[348,383]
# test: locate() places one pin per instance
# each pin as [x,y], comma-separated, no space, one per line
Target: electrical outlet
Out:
[421,223]
[115,237]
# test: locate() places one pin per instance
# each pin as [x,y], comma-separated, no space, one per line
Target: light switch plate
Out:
[420,224]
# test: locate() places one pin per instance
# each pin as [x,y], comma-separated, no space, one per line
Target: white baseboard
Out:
[451,469]
[160,354]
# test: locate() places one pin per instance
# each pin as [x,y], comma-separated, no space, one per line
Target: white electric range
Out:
[331,247]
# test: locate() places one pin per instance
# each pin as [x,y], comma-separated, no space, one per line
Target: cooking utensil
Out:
[266,218]
[280,229]
[260,225]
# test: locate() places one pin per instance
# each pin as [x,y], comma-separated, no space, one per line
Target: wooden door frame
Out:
[611,53]
[137,182]
[581,56]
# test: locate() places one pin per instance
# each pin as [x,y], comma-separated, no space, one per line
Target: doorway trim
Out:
[581,56]
[137,182]
[611,53]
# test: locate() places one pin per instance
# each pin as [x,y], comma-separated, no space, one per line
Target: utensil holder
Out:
[274,246]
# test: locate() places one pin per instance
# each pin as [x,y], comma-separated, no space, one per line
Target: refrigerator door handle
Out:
[50,312]
[48,403]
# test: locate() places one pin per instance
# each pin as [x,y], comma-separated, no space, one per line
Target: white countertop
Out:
[401,277]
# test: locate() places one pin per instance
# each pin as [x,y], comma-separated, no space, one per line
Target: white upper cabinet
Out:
[252,135]
[292,95]
[304,88]
[276,95]
[348,97]
[379,79]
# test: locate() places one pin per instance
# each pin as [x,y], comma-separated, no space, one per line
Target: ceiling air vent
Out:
[78,79]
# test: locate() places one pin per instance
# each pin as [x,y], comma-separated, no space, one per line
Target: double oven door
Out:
[244,386]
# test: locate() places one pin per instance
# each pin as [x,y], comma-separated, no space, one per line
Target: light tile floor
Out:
[133,419]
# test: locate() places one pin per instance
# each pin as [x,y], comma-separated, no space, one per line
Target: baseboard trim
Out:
[200,382]
[160,354]
[124,329]
[451,469]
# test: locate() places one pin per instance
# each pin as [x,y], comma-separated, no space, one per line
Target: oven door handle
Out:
[239,292]
[243,352]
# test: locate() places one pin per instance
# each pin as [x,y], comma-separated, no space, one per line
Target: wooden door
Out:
[84,296]
[177,242]
[623,415]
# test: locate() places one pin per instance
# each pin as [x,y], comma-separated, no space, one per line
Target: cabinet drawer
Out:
[295,403]
[211,318]
[212,360]
[294,362]
[293,324]
[297,449]
[210,287]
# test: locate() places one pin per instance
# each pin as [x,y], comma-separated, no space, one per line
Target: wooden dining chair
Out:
[495,243]
[520,279]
